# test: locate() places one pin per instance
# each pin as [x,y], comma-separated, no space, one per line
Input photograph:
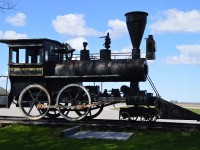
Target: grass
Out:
[195,110]
[22,137]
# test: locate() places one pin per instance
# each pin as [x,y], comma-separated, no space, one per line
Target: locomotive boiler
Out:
[46,80]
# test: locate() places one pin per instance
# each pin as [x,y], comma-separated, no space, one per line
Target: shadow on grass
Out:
[21,137]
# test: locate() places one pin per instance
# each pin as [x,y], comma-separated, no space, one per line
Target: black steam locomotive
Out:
[47,81]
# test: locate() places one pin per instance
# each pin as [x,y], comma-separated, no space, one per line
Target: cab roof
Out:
[29,42]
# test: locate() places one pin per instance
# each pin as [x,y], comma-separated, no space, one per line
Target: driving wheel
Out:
[93,113]
[73,98]
[34,101]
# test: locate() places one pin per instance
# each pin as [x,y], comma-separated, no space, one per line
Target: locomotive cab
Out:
[30,60]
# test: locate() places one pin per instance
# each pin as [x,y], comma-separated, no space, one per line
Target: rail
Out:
[106,124]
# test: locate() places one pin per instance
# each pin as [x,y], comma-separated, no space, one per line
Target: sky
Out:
[175,26]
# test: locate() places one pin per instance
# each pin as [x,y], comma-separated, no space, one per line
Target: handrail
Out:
[96,56]
[153,86]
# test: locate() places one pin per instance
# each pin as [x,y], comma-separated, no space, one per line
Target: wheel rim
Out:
[30,98]
[53,113]
[146,117]
[93,113]
[134,118]
[124,116]
[73,95]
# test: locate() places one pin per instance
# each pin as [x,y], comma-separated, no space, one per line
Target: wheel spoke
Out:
[31,95]
[31,107]
[77,94]
[70,96]
[38,95]
[90,113]
[94,112]
[74,93]
[67,112]
[40,111]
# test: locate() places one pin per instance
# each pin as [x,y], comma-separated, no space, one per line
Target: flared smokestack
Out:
[136,22]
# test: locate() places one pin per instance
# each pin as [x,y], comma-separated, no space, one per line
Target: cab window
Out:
[25,55]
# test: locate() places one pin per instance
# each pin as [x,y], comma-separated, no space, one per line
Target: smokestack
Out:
[136,22]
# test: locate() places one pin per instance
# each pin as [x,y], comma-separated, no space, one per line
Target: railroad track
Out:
[100,123]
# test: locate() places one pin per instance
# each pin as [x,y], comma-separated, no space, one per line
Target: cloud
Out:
[189,54]
[77,43]
[74,25]
[118,28]
[12,35]
[127,54]
[174,21]
[17,20]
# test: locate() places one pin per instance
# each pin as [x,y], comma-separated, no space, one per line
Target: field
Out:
[21,137]
[195,107]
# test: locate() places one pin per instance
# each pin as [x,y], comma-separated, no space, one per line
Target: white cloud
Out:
[12,35]
[127,49]
[189,54]
[174,20]
[17,20]
[127,53]
[118,28]
[77,43]
[73,24]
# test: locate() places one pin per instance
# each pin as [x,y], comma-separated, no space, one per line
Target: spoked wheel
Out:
[146,117]
[93,113]
[135,118]
[124,116]
[73,98]
[53,113]
[34,101]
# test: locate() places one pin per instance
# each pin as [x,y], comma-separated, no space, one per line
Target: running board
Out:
[169,110]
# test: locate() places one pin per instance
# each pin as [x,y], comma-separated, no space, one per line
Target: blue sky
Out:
[174,24]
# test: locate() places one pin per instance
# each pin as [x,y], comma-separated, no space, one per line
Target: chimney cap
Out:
[136,12]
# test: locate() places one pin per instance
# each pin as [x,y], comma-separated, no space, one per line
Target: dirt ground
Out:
[189,105]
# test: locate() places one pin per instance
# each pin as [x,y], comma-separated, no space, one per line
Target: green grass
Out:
[21,137]
[195,110]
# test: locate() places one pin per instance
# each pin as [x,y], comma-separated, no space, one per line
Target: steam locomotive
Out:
[47,81]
